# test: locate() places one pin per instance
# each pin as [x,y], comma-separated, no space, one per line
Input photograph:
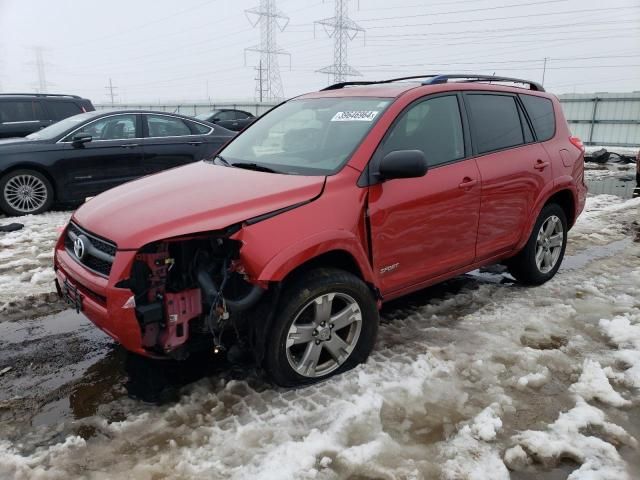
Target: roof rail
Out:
[432,79]
[39,95]
[482,78]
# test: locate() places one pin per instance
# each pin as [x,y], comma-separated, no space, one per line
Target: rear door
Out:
[513,167]
[171,141]
[20,117]
[113,156]
[425,227]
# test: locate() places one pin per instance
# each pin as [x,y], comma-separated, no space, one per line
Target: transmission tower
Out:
[342,29]
[40,65]
[270,19]
[111,92]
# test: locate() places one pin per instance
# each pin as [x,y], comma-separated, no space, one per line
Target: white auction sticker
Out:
[355,116]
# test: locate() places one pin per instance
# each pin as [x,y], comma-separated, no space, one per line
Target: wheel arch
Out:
[36,168]
[565,199]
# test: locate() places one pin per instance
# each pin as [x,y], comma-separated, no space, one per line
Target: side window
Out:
[241,115]
[433,126]
[226,115]
[116,127]
[20,111]
[163,126]
[495,122]
[540,112]
[60,109]
[198,128]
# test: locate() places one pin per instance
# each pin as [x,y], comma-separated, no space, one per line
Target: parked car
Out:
[228,118]
[335,202]
[25,113]
[89,153]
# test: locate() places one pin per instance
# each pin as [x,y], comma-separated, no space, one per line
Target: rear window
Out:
[20,111]
[540,112]
[495,122]
[61,110]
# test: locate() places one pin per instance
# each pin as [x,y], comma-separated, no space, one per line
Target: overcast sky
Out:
[168,50]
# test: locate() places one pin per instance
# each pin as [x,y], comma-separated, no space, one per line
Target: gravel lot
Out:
[477,378]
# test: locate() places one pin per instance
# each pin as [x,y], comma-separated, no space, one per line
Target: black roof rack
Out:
[444,78]
[39,95]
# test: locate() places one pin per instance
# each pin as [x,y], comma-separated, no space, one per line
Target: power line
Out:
[470,10]
[343,30]
[270,19]
[474,20]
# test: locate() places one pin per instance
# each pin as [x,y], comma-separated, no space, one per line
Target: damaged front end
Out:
[188,292]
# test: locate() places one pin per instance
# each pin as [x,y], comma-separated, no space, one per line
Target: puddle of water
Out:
[621,186]
[580,260]
[64,322]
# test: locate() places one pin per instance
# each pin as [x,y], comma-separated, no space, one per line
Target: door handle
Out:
[130,145]
[468,183]
[195,143]
[541,165]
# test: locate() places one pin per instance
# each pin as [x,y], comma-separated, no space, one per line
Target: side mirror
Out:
[215,120]
[80,139]
[403,164]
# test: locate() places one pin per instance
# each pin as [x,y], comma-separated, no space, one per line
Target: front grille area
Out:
[97,254]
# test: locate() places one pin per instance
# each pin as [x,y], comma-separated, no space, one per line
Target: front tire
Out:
[326,323]
[25,192]
[541,257]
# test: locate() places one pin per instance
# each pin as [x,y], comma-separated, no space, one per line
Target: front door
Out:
[113,156]
[422,228]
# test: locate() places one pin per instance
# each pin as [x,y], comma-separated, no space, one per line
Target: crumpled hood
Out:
[195,198]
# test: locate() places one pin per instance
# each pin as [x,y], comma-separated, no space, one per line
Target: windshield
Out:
[308,136]
[58,128]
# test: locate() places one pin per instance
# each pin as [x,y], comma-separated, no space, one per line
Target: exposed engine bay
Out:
[188,292]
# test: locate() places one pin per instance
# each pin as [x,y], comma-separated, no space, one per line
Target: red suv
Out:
[288,242]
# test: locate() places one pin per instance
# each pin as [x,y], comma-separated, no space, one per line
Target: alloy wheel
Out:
[549,244]
[323,334]
[25,193]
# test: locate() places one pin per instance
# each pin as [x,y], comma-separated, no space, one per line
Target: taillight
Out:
[577,143]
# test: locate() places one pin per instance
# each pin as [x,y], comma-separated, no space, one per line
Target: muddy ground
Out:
[461,375]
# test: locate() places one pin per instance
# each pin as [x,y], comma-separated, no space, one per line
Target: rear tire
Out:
[327,323]
[25,192]
[541,257]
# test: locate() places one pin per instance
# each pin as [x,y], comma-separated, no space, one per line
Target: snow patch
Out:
[593,384]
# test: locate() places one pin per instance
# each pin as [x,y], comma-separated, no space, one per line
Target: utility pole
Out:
[111,89]
[270,19]
[342,29]
[544,69]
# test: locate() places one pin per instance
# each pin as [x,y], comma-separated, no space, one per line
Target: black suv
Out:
[25,113]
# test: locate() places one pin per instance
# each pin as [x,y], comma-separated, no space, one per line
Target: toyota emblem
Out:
[78,248]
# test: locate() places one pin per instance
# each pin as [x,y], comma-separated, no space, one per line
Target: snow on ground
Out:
[494,381]
[26,257]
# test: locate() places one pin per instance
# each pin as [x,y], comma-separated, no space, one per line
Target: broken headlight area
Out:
[187,293]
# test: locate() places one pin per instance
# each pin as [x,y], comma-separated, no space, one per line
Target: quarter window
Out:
[495,122]
[20,111]
[62,110]
[199,128]
[117,127]
[163,126]
[540,112]
[433,126]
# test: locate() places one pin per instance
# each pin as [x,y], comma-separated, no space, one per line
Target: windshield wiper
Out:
[254,166]
[223,160]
